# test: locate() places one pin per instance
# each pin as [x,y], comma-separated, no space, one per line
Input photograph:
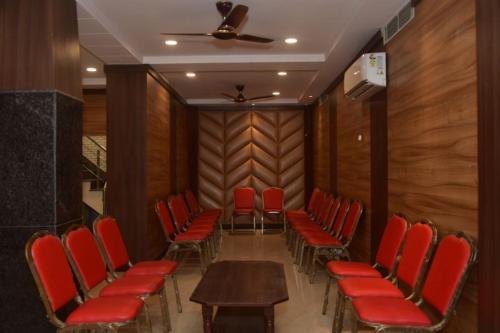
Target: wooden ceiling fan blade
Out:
[261,97]
[255,39]
[185,34]
[236,16]
[229,96]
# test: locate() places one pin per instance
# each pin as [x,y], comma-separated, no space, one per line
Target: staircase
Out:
[93,176]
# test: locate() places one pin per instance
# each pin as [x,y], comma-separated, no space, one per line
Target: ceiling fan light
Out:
[291,40]
[282,73]
[91,69]
[276,93]
[190,74]
[171,42]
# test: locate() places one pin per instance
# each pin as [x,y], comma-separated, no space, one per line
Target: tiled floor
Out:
[301,314]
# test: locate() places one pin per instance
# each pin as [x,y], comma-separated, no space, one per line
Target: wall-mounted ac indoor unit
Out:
[366,76]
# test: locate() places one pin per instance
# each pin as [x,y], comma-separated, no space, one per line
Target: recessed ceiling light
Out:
[171,42]
[282,73]
[190,74]
[276,93]
[291,40]
[310,96]
[91,69]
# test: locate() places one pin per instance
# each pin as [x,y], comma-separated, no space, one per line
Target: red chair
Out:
[314,201]
[116,256]
[244,204]
[332,246]
[417,250]
[54,280]
[180,215]
[90,270]
[385,260]
[181,242]
[273,205]
[195,209]
[443,285]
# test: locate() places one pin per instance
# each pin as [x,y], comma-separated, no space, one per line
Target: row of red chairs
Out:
[111,300]
[392,294]
[325,229]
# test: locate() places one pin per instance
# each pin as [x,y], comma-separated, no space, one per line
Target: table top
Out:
[242,284]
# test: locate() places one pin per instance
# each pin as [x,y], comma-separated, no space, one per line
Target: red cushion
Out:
[272,199]
[192,236]
[109,234]
[204,221]
[201,228]
[391,242]
[360,287]
[164,216]
[390,311]
[54,271]
[243,211]
[106,310]
[244,198]
[351,268]
[321,240]
[133,286]
[158,267]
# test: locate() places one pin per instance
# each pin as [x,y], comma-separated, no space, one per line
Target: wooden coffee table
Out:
[245,293]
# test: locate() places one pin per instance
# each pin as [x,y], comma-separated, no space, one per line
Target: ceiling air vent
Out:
[398,22]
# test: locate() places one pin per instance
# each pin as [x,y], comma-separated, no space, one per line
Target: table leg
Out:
[207,312]
[269,319]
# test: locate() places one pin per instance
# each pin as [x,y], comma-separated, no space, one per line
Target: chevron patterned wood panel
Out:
[250,148]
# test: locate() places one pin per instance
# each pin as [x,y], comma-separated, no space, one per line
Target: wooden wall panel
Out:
[321,145]
[353,163]
[158,161]
[432,122]
[182,148]
[94,112]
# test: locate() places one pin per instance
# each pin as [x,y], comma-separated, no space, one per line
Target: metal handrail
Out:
[96,143]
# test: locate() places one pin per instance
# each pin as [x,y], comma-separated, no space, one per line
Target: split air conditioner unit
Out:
[366,76]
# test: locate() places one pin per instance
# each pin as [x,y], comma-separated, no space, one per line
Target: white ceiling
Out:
[330,34]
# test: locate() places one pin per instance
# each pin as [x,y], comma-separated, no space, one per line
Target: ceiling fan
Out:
[231,21]
[240,98]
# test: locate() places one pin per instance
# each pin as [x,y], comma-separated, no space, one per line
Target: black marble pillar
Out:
[40,189]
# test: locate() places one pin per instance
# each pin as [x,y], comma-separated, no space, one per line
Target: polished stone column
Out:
[40,144]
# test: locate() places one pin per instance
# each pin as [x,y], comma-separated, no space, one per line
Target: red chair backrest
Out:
[326,205]
[85,255]
[333,213]
[272,199]
[449,266]
[107,231]
[313,200]
[340,218]
[179,211]
[192,202]
[46,256]
[244,198]
[351,221]
[164,217]
[392,239]
[417,247]
[318,204]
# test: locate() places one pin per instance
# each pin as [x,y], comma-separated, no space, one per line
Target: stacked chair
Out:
[55,282]
[273,205]
[244,205]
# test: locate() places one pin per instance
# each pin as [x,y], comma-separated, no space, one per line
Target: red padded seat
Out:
[365,287]
[106,310]
[390,311]
[133,285]
[159,267]
[243,211]
[351,268]
[322,240]
[192,236]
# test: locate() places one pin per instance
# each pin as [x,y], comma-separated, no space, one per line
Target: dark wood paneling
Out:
[94,112]
[158,165]
[333,141]
[40,47]
[308,152]
[432,123]
[182,147]
[192,125]
[321,145]
[126,156]
[488,65]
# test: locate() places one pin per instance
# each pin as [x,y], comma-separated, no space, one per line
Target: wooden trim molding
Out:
[488,78]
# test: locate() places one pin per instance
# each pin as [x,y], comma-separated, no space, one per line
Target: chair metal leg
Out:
[354,324]
[177,294]
[314,259]
[232,224]
[262,223]
[164,312]
[300,256]
[254,225]
[147,317]
[327,294]
[340,319]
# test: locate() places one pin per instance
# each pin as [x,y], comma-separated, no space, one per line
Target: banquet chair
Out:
[90,270]
[273,205]
[244,204]
[417,249]
[181,242]
[195,208]
[385,260]
[113,247]
[431,311]
[54,280]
